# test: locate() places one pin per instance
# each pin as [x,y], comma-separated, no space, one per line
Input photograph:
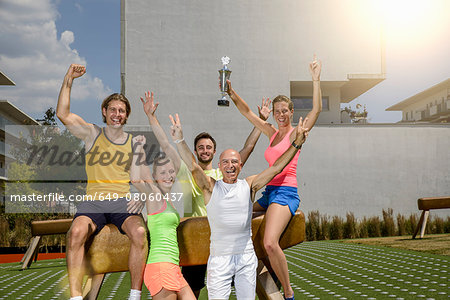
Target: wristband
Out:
[296,146]
[178,141]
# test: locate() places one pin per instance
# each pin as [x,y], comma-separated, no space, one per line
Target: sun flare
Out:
[412,23]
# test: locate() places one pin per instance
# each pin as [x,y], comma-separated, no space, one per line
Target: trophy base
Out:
[223,102]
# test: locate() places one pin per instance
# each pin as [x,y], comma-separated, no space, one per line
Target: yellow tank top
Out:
[107,168]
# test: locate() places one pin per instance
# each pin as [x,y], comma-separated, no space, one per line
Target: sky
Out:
[39,39]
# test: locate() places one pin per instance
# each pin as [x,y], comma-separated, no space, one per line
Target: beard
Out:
[204,161]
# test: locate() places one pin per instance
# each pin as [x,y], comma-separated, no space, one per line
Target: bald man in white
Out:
[229,205]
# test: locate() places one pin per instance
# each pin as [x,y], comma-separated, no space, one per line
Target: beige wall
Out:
[367,168]
[174,48]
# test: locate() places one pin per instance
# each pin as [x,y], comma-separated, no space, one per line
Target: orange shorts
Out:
[163,275]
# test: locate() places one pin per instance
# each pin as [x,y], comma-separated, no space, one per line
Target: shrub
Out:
[16,229]
[313,226]
[350,226]
[447,225]
[336,228]
[401,225]
[411,224]
[363,228]
[4,228]
[323,227]
[436,225]
[324,232]
[388,225]
[23,232]
[374,227]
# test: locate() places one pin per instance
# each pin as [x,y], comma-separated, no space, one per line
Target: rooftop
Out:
[420,96]
[16,113]
[4,80]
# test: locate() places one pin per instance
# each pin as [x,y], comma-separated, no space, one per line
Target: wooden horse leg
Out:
[92,287]
[266,288]
[424,223]
[31,252]
[419,224]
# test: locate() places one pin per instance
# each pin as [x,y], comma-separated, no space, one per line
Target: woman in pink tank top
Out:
[280,200]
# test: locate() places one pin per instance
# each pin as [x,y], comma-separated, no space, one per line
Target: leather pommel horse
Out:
[109,251]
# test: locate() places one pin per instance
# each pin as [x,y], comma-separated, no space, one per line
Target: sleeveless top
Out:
[287,177]
[230,218]
[198,202]
[107,168]
[162,226]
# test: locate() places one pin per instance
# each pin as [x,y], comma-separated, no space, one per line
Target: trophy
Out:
[224,75]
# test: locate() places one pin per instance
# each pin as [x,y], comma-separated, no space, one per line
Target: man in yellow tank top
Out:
[108,160]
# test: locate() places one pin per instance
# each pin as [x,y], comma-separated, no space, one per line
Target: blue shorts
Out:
[283,195]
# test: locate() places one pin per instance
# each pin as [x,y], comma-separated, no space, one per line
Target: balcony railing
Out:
[5,149]
[433,110]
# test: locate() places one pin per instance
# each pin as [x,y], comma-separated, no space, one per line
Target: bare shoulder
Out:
[85,132]
[250,179]
[270,130]
[91,135]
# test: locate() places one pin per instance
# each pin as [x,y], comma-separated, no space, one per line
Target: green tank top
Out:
[162,226]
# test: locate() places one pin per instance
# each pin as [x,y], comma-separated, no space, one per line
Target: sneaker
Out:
[290,298]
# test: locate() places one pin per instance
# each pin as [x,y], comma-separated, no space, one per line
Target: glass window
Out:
[306,103]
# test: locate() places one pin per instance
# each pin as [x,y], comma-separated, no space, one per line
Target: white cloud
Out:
[67,38]
[79,7]
[36,59]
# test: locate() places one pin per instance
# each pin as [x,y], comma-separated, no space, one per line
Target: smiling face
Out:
[230,165]
[115,113]
[282,114]
[204,149]
[164,175]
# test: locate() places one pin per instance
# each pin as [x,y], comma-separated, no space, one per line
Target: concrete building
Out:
[174,48]
[431,105]
[9,115]
[367,168]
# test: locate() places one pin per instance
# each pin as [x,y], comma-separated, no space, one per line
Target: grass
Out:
[434,244]
[318,270]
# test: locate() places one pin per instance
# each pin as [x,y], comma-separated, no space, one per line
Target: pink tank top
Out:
[287,177]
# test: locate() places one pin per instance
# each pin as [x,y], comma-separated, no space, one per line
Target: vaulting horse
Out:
[109,251]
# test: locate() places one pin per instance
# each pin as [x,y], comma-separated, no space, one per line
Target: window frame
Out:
[325,99]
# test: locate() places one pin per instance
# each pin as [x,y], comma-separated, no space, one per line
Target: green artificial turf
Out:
[318,270]
[328,270]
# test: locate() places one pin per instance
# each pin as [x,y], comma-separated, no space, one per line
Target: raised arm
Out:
[204,182]
[250,143]
[139,171]
[150,108]
[183,149]
[140,175]
[74,123]
[315,68]
[256,182]
[245,110]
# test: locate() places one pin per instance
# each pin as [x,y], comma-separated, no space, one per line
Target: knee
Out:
[271,246]
[138,236]
[77,235]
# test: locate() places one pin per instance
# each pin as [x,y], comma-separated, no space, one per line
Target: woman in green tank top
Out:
[162,274]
